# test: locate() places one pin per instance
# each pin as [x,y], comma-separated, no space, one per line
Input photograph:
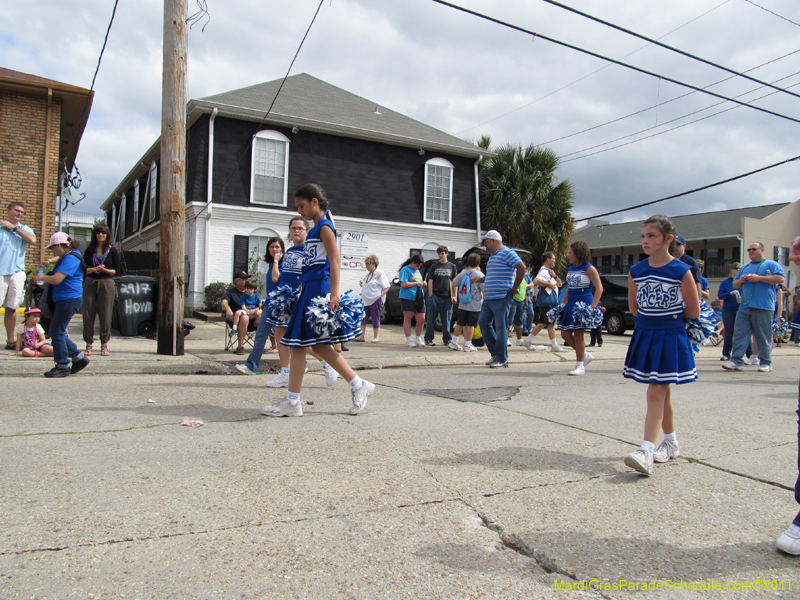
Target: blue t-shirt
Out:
[501,270]
[729,303]
[407,274]
[315,258]
[12,250]
[292,267]
[249,302]
[658,292]
[759,295]
[71,265]
[703,283]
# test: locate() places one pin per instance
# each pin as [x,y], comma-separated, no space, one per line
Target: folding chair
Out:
[232,341]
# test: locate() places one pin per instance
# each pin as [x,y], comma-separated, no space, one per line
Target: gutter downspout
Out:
[46,173]
[210,181]
[478,199]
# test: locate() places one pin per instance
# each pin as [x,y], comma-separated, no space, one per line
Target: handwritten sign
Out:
[354,249]
[136,297]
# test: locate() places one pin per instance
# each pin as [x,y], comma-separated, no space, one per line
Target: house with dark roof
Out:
[395,185]
[717,237]
[41,124]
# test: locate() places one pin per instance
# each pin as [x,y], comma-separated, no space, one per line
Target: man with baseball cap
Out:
[14,240]
[230,304]
[679,252]
[504,272]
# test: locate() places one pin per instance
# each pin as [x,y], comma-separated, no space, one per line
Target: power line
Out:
[771,12]
[666,47]
[633,114]
[667,123]
[611,60]
[590,74]
[700,189]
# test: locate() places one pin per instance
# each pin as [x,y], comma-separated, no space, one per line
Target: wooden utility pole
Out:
[173,179]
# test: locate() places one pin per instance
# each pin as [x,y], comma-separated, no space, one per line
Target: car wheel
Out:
[615,323]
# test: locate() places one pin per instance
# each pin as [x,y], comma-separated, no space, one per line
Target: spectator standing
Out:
[548,283]
[678,250]
[731,300]
[412,299]
[274,257]
[441,297]
[581,278]
[373,289]
[470,297]
[504,272]
[516,316]
[14,240]
[756,282]
[102,263]
[67,286]
[529,305]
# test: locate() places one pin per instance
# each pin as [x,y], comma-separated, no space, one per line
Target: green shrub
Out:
[214,292]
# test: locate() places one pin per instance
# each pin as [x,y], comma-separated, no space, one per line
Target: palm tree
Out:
[521,198]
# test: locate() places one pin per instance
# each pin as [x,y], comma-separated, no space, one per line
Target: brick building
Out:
[41,123]
[396,185]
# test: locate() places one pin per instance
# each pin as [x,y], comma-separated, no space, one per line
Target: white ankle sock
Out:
[294,399]
[579,364]
[356,382]
[648,446]
[553,342]
[671,436]
[284,370]
[324,364]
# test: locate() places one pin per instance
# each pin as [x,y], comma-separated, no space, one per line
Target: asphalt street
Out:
[457,481]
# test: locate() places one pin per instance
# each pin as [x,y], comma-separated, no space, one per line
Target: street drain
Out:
[492,394]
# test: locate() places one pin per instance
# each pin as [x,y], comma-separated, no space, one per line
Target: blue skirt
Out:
[566,321]
[661,356]
[300,334]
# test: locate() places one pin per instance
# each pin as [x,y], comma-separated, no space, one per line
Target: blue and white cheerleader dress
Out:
[579,289]
[291,269]
[316,282]
[660,350]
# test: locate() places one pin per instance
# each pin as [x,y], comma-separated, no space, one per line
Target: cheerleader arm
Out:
[633,306]
[329,241]
[594,277]
[690,297]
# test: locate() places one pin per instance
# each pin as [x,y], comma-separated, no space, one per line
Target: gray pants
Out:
[98,301]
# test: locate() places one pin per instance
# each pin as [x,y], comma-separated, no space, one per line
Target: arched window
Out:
[269,169]
[438,190]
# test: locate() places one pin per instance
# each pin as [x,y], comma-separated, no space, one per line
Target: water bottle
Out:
[40,271]
[738,295]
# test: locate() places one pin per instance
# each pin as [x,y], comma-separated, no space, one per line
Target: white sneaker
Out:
[765,368]
[454,346]
[420,343]
[640,460]
[557,348]
[490,361]
[283,408]
[579,370]
[360,397]
[753,360]
[789,541]
[520,342]
[411,344]
[731,366]
[282,380]
[468,347]
[528,343]
[666,451]
[330,375]
[244,370]
[587,358]
[508,342]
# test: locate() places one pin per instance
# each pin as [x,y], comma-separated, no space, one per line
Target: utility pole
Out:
[173,179]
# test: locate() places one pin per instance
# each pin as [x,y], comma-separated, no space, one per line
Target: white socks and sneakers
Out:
[642,459]
[580,366]
[417,342]
[528,343]
[290,406]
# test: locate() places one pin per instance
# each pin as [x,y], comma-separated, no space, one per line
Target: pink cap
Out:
[59,237]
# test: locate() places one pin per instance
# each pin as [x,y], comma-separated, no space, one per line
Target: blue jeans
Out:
[439,306]
[729,322]
[493,321]
[516,313]
[797,483]
[263,332]
[528,324]
[749,322]
[63,347]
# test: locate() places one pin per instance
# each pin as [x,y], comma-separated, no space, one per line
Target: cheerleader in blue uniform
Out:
[581,277]
[319,278]
[289,272]
[661,293]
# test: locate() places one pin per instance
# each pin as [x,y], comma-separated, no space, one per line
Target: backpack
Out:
[465,289]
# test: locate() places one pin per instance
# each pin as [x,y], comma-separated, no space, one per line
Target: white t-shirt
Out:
[374,283]
[21,328]
[544,275]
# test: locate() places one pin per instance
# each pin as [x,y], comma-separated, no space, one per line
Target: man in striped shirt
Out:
[504,272]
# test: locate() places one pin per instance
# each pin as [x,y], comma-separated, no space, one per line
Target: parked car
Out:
[391,310]
[618,317]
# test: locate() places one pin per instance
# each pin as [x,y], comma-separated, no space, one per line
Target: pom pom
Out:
[699,329]
[282,302]
[586,318]
[325,322]
[780,326]
[351,310]
[555,313]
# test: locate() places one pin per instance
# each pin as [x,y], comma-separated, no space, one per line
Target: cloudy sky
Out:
[466,76]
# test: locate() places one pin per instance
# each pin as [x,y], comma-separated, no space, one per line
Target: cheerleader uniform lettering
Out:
[660,350]
[316,282]
[291,268]
[579,290]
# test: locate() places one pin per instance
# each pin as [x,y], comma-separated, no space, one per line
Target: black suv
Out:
[618,315]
